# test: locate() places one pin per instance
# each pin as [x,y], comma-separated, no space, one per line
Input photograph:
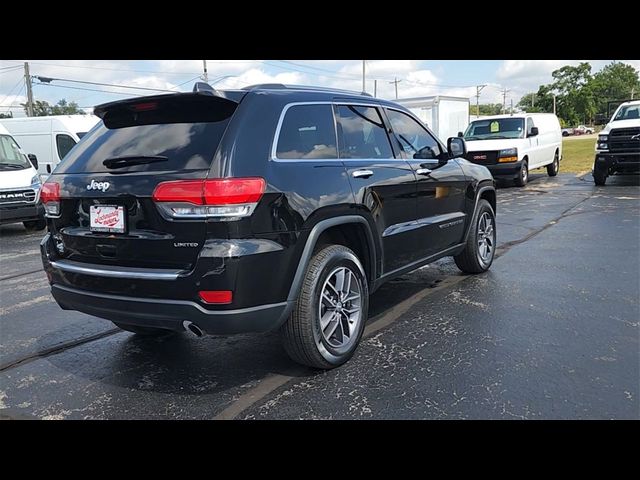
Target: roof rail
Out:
[280,86]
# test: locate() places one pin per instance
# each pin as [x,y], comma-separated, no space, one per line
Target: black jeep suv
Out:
[272,207]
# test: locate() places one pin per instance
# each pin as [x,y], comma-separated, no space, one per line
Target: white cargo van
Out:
[49,138]
[19,185]
[512,145]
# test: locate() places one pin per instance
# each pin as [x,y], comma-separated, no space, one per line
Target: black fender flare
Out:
[310,244]
[479,191]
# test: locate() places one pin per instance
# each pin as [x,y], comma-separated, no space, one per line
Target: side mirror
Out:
[460,134]
[533,132]
[425,153]
[33,159]
[456,147]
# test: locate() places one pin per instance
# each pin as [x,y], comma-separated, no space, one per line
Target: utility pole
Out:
[363,72]
[512,106]
[27,81]
[533,100]
[633,90]
[375,89]
[504,100]
[396,82]
[478,90]
[554,103]
[205,76]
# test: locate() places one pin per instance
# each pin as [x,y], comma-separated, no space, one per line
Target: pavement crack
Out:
[57,349]
[504,248]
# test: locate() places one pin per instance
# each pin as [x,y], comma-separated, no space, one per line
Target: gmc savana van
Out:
[512,145]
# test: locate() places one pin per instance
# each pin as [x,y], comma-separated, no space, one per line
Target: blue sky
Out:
[417,77]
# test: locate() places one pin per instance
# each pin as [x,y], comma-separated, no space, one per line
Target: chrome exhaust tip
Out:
[193,328]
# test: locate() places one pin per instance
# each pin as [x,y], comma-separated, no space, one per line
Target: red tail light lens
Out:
[50,198]
[233,191]
[225,198]
[189,191]
[50,192]
[219,297]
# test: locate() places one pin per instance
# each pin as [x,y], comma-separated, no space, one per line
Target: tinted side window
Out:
[64,144]
[415,141]
[308,132]
[362,133]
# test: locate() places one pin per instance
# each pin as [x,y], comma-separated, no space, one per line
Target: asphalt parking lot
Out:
[551,331]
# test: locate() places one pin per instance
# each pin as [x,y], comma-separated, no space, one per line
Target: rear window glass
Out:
[187,146]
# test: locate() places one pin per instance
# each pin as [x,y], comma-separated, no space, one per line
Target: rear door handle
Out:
[362,173]
[423,171]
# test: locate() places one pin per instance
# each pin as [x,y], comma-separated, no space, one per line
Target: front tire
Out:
[144,331]
[523,175]
[328,318]
[600,178]
[480,249]
[554,168]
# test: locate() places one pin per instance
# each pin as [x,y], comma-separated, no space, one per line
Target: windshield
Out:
[11,157]
[495,129]
[628,112]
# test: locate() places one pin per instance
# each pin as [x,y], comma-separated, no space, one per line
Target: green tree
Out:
[64,108]
[6,115]
[574,100]
[616,81]
[530,103]
[43,109]
[486,109]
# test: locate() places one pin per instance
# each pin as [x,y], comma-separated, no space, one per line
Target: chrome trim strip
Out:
[116,272]
[188,303]
[274,143]
[422,222]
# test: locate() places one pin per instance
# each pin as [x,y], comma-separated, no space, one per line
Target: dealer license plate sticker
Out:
[107,218]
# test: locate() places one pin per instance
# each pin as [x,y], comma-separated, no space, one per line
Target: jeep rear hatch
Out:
[110,177]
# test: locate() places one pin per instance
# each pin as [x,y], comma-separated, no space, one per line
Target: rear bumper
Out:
[610,163]
[170,314]
[509,170]
[153,297]
[20,213]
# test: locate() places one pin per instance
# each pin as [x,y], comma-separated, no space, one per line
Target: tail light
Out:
[224,198]
[50,198]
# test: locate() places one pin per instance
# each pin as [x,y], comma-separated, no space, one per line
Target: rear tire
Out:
[523,175]
[480,249]
[554,168]
[600,178]
[35,225]
[328,318]
[145,331]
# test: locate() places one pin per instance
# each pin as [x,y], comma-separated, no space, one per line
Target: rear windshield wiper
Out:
[126,161]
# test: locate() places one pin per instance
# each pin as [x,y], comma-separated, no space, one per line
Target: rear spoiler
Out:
[193,107]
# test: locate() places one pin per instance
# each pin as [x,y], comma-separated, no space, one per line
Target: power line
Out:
[111,69]
[10,66]
[82,88]
[11,91]
[50,79]
[24,85]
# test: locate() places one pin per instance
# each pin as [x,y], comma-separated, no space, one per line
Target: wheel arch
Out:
[349,230]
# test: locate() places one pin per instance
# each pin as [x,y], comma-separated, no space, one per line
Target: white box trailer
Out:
[444,115]
[49,138]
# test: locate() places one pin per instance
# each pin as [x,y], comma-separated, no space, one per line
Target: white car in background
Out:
[512,145]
